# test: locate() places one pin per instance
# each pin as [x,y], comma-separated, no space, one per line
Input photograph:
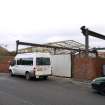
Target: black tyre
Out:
[45,77]
[27,75]
[102,91]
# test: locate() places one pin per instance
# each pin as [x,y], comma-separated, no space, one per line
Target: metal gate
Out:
[61,65]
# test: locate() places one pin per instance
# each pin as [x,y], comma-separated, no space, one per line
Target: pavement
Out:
[54,91]
[73,81]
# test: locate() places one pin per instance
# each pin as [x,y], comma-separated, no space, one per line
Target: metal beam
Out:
[17,42]
[86,31]
[87,43]
[100,48]
[40,45]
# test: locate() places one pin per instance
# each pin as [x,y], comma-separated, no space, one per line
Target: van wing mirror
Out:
[12,63]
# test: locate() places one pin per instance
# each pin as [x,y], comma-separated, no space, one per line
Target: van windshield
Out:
[42,61]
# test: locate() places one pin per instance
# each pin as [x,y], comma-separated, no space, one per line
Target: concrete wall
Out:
[87,68]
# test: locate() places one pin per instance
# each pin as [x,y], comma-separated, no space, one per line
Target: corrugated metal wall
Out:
[61,65]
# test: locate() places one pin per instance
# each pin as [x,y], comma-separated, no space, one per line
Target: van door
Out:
[18,66]
[24,64]
[43,66]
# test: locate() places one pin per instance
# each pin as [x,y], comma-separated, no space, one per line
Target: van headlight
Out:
[94,80]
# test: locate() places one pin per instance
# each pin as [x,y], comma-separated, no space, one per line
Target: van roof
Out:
[31,55]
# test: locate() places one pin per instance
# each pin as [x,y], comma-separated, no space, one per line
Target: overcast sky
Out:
[42,21]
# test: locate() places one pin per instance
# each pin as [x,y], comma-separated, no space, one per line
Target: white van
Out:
[31,65]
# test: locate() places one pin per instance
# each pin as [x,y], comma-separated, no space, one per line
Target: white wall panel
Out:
[61,65]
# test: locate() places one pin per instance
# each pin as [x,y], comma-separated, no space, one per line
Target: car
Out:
[98,84]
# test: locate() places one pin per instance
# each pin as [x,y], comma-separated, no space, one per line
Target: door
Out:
[24,64]
[43,66]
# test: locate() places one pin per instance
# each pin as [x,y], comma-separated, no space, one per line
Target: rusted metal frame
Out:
[87,42]
[86,32]
[92,33]
[76,45]
[40,45]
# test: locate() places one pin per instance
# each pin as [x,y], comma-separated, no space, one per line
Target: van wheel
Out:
[102,91]
[10,73]
[27,75]
[45,77]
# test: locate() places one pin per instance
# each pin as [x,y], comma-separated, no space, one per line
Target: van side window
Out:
[25,61]
[19,62]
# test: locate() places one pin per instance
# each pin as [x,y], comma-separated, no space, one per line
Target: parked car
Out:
[99,84]
[31,65]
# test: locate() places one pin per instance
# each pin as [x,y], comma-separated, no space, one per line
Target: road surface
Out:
[54,91]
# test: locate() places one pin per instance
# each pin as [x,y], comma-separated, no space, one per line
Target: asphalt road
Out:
[55,91]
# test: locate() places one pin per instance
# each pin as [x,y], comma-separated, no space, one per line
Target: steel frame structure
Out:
[63,45]
[86,32]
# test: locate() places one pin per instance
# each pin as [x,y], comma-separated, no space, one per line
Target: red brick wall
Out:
[87,68]
[4,64]
[4,68]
